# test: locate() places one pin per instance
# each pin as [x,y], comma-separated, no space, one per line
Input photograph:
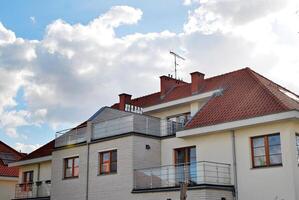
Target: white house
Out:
[232,136]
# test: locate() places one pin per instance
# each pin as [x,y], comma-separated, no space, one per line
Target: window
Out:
[185,158]
[297,145]
[71,167]
[108,162]
[182,118]
[266,151]
[27,181]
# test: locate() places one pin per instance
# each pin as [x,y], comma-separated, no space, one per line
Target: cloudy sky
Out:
[60,61]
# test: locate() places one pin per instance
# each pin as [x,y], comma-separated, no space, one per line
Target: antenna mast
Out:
[175,62]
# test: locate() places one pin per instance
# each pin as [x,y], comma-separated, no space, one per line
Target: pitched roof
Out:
[9,171]
[7,155]
[45,150]
[246,94]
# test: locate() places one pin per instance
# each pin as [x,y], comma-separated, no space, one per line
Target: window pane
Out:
[274,150]
[297,140]
[114,167]
[68,172]
[260,161]
[274,140]
[105,168]
[76,171]
[258,142]
[275,159]
[193,154]
[114,156]
[260,151]
[69,163]
[76,162]
[106,157]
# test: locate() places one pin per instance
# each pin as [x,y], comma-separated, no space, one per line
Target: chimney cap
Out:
[124,94]
[197,73]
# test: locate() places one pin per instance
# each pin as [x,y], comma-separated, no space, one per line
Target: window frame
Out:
[186,151]
[267,151]
[73,167]
[100,161]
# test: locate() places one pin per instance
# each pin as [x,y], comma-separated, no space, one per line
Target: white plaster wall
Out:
[274,183]
[7,189]
[170,111]
[68,189]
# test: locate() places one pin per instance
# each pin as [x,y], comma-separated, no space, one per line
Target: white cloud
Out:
[33,20]
[26,148]
[76,69]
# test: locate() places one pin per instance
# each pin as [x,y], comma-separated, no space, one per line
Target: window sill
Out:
[107,174]
[68,178]
[265,167]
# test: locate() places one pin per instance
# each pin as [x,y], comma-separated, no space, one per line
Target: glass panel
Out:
[76,162]
[274,140]
[106,157]
[192,154]
[114,167]
[260,151]
[180,156]
[105,168]
[260,161]
[68,172]
[297,140]
[274,149]
[114,156]
[275,159]
[69,163]
[258,142]
[76,171]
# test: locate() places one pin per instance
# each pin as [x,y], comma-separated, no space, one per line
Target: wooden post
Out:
[183,191]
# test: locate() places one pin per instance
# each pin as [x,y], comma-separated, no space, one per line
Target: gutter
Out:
[235,163]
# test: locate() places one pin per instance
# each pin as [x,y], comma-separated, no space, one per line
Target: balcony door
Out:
[27,181]
[185,162]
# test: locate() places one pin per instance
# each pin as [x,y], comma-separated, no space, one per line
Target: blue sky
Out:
[60,61]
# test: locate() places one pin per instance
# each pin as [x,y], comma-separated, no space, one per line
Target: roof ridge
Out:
[228,73]
[19,153]
[250,72]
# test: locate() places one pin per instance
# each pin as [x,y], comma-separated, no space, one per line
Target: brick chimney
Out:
[167,83]
[123,100]
[197,80]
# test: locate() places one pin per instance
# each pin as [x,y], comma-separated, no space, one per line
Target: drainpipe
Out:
[88,140]
[235,164]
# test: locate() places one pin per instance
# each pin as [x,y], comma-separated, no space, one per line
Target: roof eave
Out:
[30,161]
[293,114]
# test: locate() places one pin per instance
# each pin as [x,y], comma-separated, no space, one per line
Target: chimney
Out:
[167,83]
[197,80]
[123,100]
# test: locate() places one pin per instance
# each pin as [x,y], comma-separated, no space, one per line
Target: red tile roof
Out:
[9,171]
[246,94]
[13,156]
[45,150]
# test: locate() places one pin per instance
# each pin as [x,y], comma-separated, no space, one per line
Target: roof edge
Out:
[239,124]
[30,161]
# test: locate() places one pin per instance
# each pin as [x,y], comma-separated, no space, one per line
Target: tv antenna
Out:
[175,62]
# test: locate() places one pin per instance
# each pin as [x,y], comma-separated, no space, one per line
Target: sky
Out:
[60,61]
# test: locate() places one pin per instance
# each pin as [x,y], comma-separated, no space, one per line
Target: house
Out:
[34,174]
[8,175]
[232,136]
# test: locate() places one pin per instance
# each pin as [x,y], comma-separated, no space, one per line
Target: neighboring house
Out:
[233,136]
[8,175]
[35,174]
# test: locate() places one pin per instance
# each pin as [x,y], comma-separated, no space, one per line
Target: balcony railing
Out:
[71,136]
[33,190]
[195,173]
[135,123]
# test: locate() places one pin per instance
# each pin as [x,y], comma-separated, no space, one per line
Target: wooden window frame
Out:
[267,151]
[187,158]
[26,185]
[73,167]
[100,171]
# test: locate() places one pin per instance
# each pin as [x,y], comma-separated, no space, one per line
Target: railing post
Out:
[151,184]
[204,172]
[167,172]
[217,173]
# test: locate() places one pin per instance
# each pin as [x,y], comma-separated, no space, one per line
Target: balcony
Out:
[194,174]
[136,123]
[71,136]
[37,190]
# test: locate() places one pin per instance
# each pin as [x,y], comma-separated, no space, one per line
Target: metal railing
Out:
[195,173]
[135,123]
[71,136]
[33,190]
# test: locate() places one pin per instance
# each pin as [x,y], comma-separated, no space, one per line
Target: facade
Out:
[8,175]
[34,174]
[233,136]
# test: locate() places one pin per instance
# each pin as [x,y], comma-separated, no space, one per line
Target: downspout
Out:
[235,164]
[88,140]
